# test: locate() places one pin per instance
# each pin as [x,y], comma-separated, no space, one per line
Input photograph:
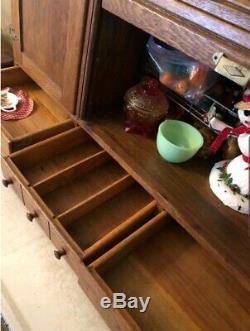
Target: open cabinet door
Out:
[48,38]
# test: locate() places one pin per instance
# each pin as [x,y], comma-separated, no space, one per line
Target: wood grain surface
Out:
[183,190]
[188,290]
[186,28]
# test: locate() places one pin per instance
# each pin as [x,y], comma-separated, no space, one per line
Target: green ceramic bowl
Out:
[178,141]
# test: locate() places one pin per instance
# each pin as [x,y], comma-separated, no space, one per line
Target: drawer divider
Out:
[95,200]
[130,242]
[49,147]
[118,232]
[50,183]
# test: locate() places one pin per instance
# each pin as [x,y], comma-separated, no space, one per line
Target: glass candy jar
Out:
[145,107]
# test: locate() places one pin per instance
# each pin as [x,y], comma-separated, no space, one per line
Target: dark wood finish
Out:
[7,182]
[30,216]
[14,76]
[59,254]
[183,190]
[56,29]
[188,290]
[109,54]
[6,53]
[185,28]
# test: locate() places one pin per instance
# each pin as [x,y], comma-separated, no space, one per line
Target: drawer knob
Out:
[7,182]
[58,254]
[31,216]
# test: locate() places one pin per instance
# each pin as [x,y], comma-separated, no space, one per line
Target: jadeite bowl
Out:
[178,141]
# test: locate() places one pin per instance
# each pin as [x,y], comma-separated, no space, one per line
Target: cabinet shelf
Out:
[187,289]
[183,190]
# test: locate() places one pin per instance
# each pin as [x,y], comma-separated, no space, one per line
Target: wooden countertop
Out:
[183,190]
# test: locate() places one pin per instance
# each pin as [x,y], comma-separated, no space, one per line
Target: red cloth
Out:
[24,107]
[225,133]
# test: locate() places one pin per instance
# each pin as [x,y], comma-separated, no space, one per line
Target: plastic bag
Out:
[179,72]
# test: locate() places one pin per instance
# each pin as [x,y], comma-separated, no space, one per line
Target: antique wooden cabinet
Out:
[123,218]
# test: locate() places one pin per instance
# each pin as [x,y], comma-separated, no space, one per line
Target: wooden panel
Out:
[188,290]
[46,113]
[13,76]
[11,176]
[50,157]
[96,289]
[49,44]
[183,190]
[47,119]
[107,59]
[129,243]
[5,144]
[34,208]
[62,241]
[193,39]
[223,11]
[80,188]
[100,227]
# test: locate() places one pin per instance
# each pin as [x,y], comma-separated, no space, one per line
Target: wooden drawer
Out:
[47,119]
[35,212]
[10,179]
[187,289]
[92,202]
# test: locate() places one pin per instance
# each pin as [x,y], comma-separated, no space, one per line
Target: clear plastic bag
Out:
[179,72]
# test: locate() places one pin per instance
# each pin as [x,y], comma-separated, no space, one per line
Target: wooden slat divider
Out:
[30,155]
[95,200]
[119,231]
[28,139]
[129,243]
[50,183]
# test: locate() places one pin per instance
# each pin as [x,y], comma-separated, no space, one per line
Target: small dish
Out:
[178,141]
[9,102]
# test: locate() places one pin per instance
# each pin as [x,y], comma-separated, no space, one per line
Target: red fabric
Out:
[246,158]
[225,133]
[246,98]
[24,106]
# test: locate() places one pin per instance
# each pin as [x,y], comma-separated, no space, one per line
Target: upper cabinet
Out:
[48,40]
[200,29]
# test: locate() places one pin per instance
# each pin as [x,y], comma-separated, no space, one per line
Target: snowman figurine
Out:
[229,179]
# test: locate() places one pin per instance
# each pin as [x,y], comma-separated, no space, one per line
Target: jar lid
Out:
[147,96]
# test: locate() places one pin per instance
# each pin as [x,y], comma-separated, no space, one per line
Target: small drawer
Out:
[65,246]
[10,178]
[47,118]
[34,212]
[188,290]
[45,160]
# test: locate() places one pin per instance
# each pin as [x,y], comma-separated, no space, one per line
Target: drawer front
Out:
[35,212]
[96,289]
[5,145]
[64,247]
[10,179]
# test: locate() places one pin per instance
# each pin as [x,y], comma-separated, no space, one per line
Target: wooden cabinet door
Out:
[48,39]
